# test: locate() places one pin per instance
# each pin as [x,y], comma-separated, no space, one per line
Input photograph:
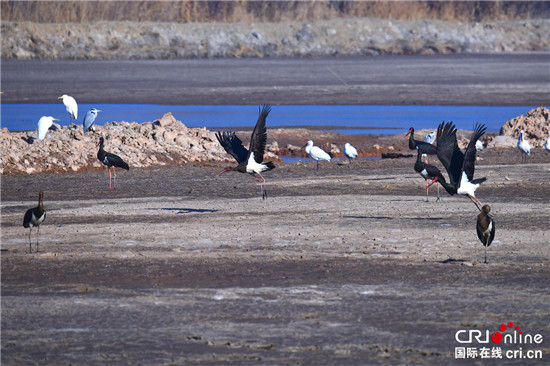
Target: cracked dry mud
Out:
[341,266]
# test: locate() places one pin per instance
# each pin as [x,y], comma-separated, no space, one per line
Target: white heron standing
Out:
[350,152]
[89,119]
[479,145]
[70,106]
[524,147]
[430,139]
[44,124]
[316,153]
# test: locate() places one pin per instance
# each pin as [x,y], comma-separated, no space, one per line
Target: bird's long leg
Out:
[114,172]
[317,165]
[485,255]
[476,202]
[438,193]
[427,190]
[37,233]
[30,242]
[109,178]
[349,165]
[262,186]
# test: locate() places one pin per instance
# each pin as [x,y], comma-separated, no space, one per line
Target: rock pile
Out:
[163,142]
[535,124]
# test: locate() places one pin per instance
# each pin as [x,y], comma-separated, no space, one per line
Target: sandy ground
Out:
[340,266]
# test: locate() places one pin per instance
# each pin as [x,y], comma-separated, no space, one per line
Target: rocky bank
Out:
[342,37]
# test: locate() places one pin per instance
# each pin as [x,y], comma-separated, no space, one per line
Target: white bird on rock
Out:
[44,124]
[316,153]
[70,105]
[524,147]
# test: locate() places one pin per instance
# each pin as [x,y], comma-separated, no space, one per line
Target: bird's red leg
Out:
[114,172]
[109,178]
[433,181]
[476,201]
[262,188]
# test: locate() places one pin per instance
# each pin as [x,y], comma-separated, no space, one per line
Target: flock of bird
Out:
[459,165]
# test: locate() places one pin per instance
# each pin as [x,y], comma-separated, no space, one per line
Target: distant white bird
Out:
[430,138]
[44,125]
[479,145]
[70,105]
[316,153]
[89,119]
[350,152]
[547,145]
[524,147]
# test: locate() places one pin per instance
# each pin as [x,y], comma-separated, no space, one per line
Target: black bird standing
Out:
[110,160]
[428,171]
[459,166]
[427,148]
[485,228]
[33,218]
[250,161]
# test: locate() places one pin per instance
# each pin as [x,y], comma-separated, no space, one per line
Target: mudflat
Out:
[457,79]
[345,265]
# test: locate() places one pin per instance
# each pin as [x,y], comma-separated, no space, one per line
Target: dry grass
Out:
[266,11]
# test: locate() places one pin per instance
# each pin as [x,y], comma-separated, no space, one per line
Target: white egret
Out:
[44,125]
[70,106]
[524,147]
[547,145]
[89,119]
[316,153]
[479,145]
[350,152]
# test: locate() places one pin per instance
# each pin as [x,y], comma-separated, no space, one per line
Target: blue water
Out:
[353,119]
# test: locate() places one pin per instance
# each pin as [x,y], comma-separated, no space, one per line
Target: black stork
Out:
[111,161]
[485,228]
[430,172]
[459,166]
[33,218]
[250,161]
[427,148]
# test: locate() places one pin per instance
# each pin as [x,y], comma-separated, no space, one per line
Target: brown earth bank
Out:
[345,265]
[341,37]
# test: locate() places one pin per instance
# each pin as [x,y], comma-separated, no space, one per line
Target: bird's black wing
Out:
[258,138]
[468,165]
[28,218]
[116,160]
[233,145]
[448,152]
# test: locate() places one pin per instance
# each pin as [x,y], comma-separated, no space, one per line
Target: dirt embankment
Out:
[342,37]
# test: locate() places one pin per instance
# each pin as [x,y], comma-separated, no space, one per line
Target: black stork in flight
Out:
[111,161]
[250,161]
[459,166]
[485,228]
[33,218]
[427,148]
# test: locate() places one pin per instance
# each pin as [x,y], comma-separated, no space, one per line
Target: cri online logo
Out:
[517,337]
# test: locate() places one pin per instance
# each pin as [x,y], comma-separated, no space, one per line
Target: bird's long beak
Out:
[303,147]
[408,133]
[223,171]
[55,119]
[59,97]
[98,110]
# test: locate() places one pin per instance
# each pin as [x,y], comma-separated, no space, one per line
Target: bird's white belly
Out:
[424,174]
[36,221]
[253,167]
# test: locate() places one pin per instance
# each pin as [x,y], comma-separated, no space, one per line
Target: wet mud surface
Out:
[338,266]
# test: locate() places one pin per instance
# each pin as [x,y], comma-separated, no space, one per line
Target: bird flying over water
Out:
[111,161]
[89,119]
[70,106]
[251,160]
[33,218]
[459,166]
